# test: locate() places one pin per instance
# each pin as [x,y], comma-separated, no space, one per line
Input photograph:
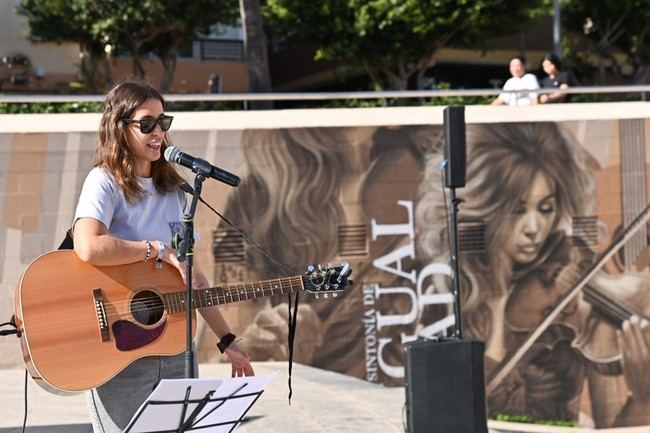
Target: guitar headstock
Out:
[320,279]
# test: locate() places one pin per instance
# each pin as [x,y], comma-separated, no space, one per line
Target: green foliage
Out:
[395,40]
[42,107]
[96,107]
[616,32]
[134,26]
[527,419]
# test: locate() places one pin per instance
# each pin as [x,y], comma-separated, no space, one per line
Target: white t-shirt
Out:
[527,82]
[155,217]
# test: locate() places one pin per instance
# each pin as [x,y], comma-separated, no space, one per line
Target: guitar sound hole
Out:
[147,308]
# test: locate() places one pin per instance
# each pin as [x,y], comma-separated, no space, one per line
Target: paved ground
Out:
[322,402]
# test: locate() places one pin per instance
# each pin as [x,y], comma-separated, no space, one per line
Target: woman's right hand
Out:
[199,279]
[634,341]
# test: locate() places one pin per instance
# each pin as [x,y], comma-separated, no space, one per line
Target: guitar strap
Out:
[68,241]
[292,322]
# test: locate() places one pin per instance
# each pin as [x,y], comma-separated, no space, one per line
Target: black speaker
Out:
[455,154]
[445,386]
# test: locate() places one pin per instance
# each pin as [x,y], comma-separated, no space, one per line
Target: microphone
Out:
[200,166]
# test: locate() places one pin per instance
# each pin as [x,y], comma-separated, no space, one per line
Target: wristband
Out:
[148,255]
[161,253]
[225,342]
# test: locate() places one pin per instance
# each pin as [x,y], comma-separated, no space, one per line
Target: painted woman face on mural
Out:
[533,220]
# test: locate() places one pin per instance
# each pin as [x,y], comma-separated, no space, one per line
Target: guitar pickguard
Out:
[129,336]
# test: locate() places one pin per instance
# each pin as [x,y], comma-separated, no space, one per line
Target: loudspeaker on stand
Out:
[454,146]
[445,386]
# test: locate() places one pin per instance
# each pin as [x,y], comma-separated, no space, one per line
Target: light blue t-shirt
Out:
[155,217]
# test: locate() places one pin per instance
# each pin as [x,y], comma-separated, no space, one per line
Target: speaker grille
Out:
[445,386]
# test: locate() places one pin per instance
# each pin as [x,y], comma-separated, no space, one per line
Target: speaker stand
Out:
[455,260]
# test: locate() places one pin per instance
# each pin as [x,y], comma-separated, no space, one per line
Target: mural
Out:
[553,225]
[554,222]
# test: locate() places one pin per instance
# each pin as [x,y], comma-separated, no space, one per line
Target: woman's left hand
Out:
[241,363]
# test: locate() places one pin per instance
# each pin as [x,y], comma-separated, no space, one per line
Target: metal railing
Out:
[641,90]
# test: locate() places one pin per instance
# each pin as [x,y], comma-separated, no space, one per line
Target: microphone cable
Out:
[5,333]
[25,405]
[292,320]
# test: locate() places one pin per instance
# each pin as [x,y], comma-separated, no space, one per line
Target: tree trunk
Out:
[87,68]
[108,72]
[169,67]
[259,77]
[138,69]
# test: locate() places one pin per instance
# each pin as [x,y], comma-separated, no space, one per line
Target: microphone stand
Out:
[186,253]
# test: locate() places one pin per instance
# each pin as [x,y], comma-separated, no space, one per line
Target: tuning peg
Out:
[326,295]
[316,295]
[335,295]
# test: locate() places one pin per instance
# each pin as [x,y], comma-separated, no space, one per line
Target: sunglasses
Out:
[149,123]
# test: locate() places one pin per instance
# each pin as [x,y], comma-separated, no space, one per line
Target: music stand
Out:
[208,405]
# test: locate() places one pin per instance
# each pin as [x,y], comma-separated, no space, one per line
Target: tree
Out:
[616,31]
[70,21]
[186,20]
[396,40]
[128,26]
[259,76]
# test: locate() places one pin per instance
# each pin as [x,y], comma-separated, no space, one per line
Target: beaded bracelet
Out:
[148,255]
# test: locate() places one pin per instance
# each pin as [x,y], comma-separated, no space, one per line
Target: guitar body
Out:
[80,325]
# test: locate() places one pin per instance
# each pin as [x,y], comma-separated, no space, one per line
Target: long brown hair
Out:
[290,198]
[113,152]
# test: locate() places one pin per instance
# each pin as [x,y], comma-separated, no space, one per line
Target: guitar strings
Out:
[146,304]
[218,295]
[226,295]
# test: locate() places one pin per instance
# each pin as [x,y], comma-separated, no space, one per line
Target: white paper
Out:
[224,405]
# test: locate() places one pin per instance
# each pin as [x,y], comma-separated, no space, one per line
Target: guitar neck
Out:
[203,298]
[633,184]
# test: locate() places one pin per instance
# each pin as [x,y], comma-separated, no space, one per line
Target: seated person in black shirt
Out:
[555,78]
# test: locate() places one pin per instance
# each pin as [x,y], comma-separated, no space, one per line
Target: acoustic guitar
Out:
[79,325]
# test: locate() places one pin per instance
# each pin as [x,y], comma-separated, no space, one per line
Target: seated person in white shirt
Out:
[520,81]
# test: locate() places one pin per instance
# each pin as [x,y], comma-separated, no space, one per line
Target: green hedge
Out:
[529,420]
[96,107]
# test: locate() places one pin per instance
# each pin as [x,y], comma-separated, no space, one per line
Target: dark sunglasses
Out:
[148,124]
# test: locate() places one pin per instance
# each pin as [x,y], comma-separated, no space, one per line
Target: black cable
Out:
[97,415]
[444,196]
[292,319]
[285,270]
[448,224]
[25,415]
[6,332]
